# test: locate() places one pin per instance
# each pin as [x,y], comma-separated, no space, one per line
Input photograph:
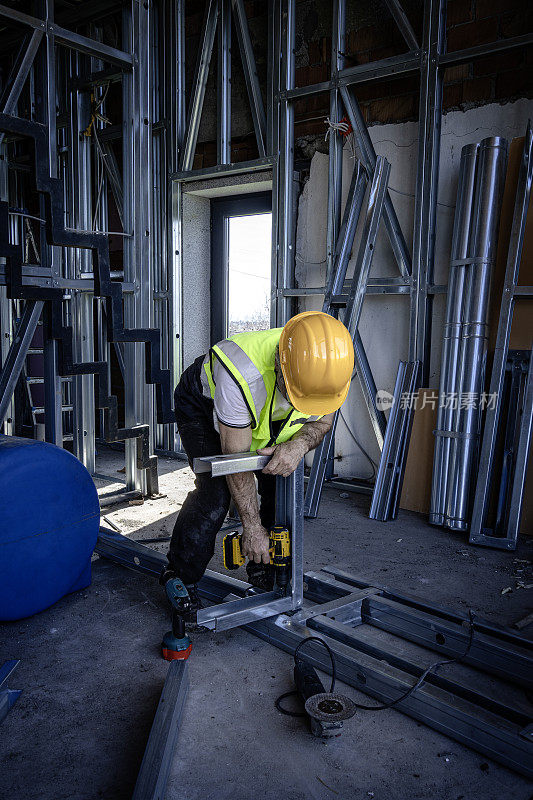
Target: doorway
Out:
[241,272]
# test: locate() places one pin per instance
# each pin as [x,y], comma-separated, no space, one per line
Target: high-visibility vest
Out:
[246,356]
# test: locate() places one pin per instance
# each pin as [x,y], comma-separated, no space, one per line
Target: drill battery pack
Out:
[280,548]
[231,550]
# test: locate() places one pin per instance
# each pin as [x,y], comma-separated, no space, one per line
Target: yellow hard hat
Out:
[316,357]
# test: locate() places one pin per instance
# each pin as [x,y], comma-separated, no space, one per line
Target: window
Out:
[241,265]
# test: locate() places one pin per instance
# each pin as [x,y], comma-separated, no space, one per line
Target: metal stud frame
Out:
[159,132]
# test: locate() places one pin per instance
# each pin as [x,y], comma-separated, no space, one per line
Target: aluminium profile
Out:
[157,760]
[8,697]
[391,469]
[490,178]
[452,330]
[250,75]
[488,447]
[452,707]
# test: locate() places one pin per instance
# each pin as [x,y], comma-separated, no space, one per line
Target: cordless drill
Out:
[176,644]
[279,548]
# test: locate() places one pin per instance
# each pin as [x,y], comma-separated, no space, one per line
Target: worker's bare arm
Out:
[287,456]
[255,541]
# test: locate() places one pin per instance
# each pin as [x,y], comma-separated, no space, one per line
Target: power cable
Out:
[421,680]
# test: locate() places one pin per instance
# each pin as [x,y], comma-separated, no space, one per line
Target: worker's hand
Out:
[285,457]
[255,544]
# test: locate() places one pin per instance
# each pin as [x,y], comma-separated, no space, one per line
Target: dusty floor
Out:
[92,675]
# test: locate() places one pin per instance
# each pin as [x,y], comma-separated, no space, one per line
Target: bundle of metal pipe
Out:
[479,197]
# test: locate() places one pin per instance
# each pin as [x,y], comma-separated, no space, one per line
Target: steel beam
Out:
[374,212]
[446,706]
[23,72]
[391,468]
[224,170]
[486,49]
[157,760]
[449,706]
[217,466]
[200,82]
[402,21]
[224,83]
[336,140]
[69,38]
[8,697]
[81,194]
[488,447]
[283,184]
[427,179]
[12,367]
[496,650]
[404,64]
[394,231]
[137,155]
[250,75]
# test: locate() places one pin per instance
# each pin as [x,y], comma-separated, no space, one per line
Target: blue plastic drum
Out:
[49,520]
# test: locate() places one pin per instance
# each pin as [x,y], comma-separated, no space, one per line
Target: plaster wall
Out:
[384,322]
[196,253]
[196,276]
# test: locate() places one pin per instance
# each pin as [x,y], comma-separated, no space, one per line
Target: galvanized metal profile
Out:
[283,200]
[402,21]
[481,50]
[8,697]
[496,650]
[234,612]
[463,714]
[250,76]
[490,178]
[324,452]
[394,231]
[336,140]
[69,38]
[138,201]
[374,212]
[224,170]
[12,367]
[452,331]
[22,74]
[217,466]
[493,415]
[200,82]
[80,157]
[522,459]
[346,235]
[362,73]
[456,709]
[425,216]
[224,83]
[157,760]
[389,478]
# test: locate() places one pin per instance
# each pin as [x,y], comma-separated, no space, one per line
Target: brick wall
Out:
[498,78]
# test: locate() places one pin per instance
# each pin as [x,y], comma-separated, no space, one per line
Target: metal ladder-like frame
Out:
[511,291]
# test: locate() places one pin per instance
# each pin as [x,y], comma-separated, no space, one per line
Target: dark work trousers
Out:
[205,508]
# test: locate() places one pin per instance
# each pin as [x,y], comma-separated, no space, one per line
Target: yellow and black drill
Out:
[280,553]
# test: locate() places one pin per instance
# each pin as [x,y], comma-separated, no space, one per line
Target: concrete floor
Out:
[92,675]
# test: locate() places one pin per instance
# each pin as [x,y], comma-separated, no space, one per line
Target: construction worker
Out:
[270,391]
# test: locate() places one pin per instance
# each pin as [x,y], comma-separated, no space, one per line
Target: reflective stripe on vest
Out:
[250,358]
